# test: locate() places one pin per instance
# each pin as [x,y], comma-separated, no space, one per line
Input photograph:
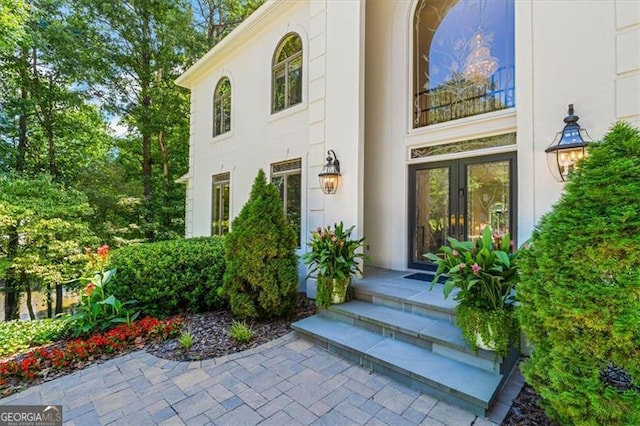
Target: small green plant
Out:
[241,332]
[186,339]
[16,336]
[96,310]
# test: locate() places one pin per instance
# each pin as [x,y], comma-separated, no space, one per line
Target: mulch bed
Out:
[526,410]
[211,338]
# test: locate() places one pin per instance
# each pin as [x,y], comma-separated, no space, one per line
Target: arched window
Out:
[463,59]
[222,107]
[287,73]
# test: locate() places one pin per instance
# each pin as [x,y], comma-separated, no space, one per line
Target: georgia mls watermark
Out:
[30,415]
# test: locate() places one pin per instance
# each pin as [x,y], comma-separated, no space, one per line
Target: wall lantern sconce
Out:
[568,147]
[330,174]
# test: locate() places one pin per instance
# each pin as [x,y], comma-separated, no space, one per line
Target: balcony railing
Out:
[458,98]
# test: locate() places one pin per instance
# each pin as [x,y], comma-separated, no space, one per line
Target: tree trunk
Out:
[12,283]
[22,119]
[58,298]
[27,288]
[166,218]
[49,304]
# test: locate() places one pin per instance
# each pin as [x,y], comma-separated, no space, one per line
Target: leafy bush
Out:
[16,336]
[96,310]
[170,277]
[580,290]
[261,278]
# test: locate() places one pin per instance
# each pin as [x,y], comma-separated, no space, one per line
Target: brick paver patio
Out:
[288,381]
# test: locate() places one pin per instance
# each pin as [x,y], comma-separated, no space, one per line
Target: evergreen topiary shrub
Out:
[261,279]
[580,291]
[170,277]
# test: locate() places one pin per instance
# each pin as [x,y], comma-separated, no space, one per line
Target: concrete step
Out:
[447,379]
[407,295]
[436,335]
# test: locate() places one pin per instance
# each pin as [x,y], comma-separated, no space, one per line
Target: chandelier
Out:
[480,65]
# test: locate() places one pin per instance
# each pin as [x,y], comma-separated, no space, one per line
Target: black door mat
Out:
[421,276]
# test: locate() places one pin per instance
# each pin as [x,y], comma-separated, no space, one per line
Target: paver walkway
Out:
[288,381]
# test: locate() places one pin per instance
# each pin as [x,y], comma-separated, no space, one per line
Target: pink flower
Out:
[319,229]
[463,265]
[455,253]
[323,235]
[475,268]
[334,238]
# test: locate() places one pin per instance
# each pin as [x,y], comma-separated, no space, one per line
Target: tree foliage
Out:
[44,229]
[261,279]
[580,290]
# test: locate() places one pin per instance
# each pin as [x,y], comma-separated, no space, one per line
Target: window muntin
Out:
[222,107]
[220,204]
[287,74]
[287,177]
[463,59]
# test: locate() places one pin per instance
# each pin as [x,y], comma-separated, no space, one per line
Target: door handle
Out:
[461,220]
[452,220]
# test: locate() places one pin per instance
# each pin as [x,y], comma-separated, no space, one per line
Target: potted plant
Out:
[484,272]
[334,257]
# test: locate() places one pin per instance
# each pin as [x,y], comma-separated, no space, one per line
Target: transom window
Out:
[287,177]
[222,107]
[287,73]
[463,59]
[220,204]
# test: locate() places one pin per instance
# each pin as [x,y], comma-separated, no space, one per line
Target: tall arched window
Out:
[222,107]
[287,73]
[463,59]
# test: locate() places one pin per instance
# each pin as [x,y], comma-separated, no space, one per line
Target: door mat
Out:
[420,276]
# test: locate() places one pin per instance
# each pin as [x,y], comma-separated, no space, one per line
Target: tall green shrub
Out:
[170,277]
[261,278]
[580,291]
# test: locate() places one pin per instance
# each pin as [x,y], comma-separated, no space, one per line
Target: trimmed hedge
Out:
[580,291]
[170,277]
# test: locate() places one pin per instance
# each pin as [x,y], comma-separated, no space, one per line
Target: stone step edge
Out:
[364,289]
[467,399]
[463,348]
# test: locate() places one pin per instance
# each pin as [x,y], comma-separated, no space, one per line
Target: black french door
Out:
[458,198]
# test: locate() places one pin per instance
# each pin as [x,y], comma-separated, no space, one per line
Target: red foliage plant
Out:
[27,368]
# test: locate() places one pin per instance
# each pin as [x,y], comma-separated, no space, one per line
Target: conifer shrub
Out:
[170,277]
[261,279]
[580,290]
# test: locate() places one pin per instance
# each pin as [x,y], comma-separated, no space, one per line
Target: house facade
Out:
[439,112]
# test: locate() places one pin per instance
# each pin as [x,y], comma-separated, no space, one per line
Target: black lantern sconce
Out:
[568,147]
[330,174]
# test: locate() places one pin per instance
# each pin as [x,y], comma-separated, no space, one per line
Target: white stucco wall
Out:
[581,52]
[330,116]
[357,101]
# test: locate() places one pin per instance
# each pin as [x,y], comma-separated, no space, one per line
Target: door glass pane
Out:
[488,198]
[432,211]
